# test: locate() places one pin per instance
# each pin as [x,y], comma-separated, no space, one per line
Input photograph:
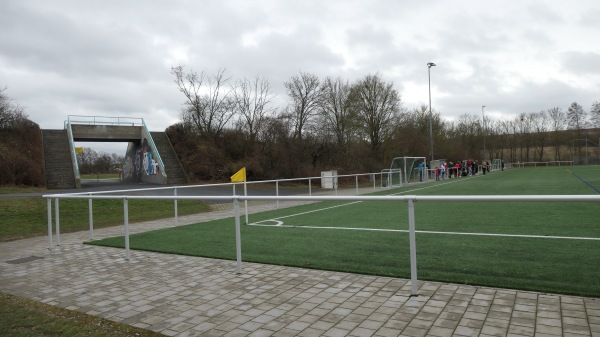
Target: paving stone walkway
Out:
[192,296]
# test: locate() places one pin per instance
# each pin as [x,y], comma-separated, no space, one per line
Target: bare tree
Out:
[468,130]
[541,126]
[558,121]
[253,101]
[338,118]
[595,114]
[305,95]
[209,104]
[10,111]
[509,130]
[376,104]
[576,117]
[525,126]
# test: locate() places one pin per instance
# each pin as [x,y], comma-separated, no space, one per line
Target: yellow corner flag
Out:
[239,176]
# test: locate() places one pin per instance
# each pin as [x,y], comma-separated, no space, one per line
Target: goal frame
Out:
[407,168]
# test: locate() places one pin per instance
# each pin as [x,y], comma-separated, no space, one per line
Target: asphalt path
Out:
[112,187]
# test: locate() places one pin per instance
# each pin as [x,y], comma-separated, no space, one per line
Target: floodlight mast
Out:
[484,130]
[429,65]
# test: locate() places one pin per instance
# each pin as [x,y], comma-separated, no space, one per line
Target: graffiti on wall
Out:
[140,161]
[149,164]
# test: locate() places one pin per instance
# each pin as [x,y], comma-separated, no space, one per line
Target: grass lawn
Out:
[25,318]
[27,217]
[532,263]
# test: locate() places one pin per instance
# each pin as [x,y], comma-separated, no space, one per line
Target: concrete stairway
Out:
[175,172]
[57,159]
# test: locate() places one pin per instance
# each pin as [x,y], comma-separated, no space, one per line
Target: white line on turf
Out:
[346,204]
[280,224]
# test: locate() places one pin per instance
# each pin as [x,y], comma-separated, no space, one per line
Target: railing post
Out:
[277,192]
[238,236]
[309,187]
[126,220]
[356,178]
[175,205]
[413,248]
[57,221]
[246,201]
[374,180]
[49,202]
[91,217]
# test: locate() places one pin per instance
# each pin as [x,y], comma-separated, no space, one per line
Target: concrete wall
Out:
[111,133]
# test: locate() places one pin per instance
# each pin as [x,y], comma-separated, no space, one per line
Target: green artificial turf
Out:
[539,264]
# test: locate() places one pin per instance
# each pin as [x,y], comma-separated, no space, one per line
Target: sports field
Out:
[541,246]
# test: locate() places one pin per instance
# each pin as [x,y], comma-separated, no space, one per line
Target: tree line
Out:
[21,150]
[92,162]
[332,123]
[327,123]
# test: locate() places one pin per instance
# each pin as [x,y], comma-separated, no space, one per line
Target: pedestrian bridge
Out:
[150,157]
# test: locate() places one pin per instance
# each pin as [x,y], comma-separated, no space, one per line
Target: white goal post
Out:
[410,168]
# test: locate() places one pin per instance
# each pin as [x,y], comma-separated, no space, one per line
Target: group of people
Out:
[461,168]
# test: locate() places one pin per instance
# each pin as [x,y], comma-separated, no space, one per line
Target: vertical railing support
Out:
[356,178]
[309,187]
[413,248]
[246,201]
[277,192]
[91,217]
[238,236]
[175,206]
[49,201]
[57,221]
[126,221]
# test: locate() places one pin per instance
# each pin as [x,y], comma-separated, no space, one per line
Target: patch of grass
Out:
[27,217]
[538,264]
[6,189]
[25,318]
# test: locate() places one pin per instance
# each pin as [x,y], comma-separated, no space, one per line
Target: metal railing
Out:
[103,120]
[154,149]
[74,162]
[409,199]
[543,163]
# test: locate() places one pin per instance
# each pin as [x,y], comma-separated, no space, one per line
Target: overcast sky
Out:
[113,58]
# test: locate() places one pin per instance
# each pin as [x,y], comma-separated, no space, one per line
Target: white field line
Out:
[279,223]
[350,203]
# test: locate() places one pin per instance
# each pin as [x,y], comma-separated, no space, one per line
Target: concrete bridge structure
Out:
[150,157]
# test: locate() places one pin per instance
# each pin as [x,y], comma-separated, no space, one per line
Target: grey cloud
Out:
[583,63]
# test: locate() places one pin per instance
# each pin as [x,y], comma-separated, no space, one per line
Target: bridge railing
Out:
[74,162]
[155,150]
[103,120]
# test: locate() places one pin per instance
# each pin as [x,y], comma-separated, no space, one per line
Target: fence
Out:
[101,120]
[410,200]
[542,163]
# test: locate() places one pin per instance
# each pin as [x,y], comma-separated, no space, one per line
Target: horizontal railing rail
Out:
[104,120]
[410,199]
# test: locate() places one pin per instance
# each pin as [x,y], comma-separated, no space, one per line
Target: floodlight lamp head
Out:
[431,64]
